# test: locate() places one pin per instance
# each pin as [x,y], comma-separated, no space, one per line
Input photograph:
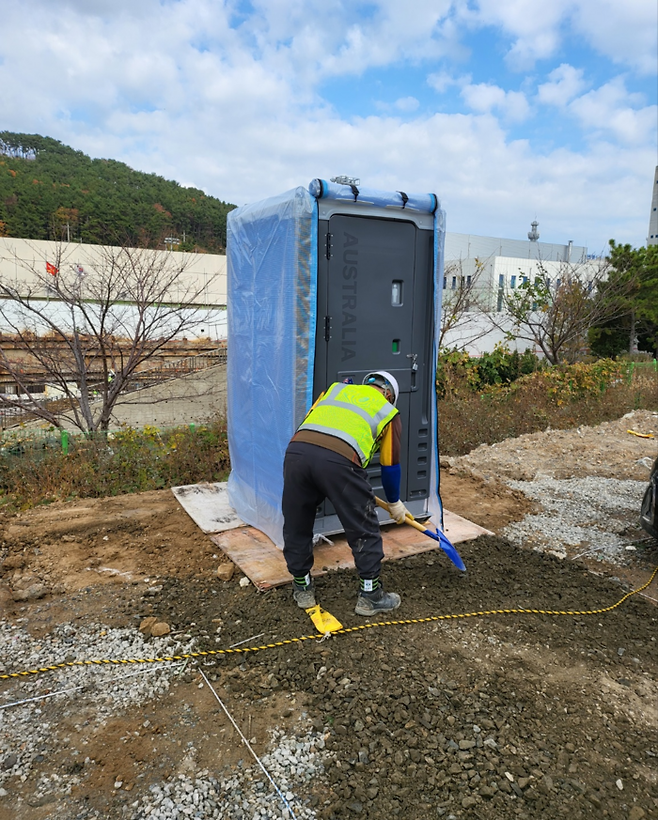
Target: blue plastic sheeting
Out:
[272,274]
[272,305]
[321,189]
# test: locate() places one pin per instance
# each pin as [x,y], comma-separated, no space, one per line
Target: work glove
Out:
[398,511]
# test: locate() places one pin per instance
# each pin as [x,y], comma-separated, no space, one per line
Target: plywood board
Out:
[262,562]
[208,506]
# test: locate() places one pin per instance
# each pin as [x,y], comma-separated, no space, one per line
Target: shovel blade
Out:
[451,552]
[448,548]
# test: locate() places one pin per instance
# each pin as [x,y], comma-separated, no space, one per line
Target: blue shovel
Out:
[444,543]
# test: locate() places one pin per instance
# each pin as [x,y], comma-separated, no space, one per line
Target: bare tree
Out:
[87,328]
[464,302]
[554,312]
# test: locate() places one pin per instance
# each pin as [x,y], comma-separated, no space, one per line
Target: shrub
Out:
[457,371]
[558,397]
[35,469]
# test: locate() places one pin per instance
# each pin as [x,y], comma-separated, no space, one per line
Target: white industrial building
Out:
[496,265]
[22,259]
[490,267]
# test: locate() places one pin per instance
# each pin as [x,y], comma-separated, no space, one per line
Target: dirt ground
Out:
[499,716]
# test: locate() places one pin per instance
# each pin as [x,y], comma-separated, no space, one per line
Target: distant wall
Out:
[193,399]
[20,257]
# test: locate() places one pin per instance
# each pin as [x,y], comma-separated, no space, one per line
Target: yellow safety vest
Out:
[354,413]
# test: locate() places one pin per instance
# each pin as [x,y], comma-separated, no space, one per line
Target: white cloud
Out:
[565,83]
[407,104]
[442,81]
[607,109]
[624,32]
[191,91]
[484,97]
[533,26]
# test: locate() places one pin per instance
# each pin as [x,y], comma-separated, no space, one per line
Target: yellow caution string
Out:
[640,435]
[320,636]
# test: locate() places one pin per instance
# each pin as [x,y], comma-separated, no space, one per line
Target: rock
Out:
[225,571]
[10,761]
[147,624]
[39,800]
[14,562]
[32,593]
[244,581]
[469,802]
[154,628]
[636,813]
[466,744]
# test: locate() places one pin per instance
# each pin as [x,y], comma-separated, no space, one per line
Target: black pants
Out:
[311,474]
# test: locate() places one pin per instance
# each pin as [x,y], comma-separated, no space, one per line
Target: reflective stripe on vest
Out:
[357,414]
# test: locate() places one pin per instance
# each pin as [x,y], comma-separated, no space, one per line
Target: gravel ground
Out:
[594,515]
[498,718]
[27,736]
[586,484]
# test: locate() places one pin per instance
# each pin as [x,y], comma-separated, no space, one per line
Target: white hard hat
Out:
[383,379]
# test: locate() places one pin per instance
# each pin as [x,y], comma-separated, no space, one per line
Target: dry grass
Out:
[468,419]
[34,469]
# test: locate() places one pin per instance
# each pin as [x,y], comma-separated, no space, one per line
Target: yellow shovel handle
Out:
[407,519]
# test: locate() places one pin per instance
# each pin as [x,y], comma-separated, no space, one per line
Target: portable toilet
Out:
[325,284]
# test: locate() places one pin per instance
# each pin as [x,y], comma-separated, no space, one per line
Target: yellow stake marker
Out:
[322,620]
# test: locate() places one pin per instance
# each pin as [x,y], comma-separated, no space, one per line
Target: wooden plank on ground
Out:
[262,562]
[208,506]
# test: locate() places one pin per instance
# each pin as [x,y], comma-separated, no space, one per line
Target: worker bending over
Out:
[326,458]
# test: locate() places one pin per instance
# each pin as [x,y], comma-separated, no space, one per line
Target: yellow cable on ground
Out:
[344,631]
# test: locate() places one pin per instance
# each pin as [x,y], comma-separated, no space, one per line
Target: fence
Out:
[14,416]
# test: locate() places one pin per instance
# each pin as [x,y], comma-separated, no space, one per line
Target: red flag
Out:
[51,269]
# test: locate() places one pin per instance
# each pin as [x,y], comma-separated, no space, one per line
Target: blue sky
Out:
[508,111]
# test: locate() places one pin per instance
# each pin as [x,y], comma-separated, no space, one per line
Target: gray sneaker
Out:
[304,597]
[372,603]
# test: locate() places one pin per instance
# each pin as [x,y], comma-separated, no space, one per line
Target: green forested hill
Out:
[50,191]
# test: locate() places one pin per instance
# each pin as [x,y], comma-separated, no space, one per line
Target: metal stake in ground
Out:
[248,745]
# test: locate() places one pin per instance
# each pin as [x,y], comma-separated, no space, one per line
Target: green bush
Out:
[457,371]
[35,468]
[558,397]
